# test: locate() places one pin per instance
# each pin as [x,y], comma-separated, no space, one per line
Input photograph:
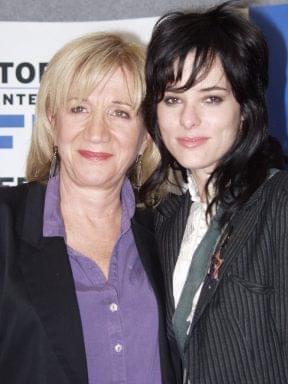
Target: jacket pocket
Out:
[252,286]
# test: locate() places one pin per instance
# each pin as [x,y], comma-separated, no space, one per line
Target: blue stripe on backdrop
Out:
[273,21]
[6,142]
[11,121]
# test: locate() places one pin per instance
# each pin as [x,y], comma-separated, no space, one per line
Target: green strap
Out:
[197,273]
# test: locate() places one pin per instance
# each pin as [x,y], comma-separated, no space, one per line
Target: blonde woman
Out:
[80,287]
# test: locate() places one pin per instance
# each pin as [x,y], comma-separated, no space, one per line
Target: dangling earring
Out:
[241,123]
[54,162]
[139,171]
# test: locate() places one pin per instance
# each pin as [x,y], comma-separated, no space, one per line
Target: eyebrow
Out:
[214,88]
[118,102]
[206,89]
[122,103]
[75,98]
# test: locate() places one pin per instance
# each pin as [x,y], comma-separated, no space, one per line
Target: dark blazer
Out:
[239,334]
[41,337]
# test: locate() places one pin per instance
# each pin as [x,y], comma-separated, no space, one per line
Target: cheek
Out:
[129,142]
[166,126]
[66,135]
[161,118]
[61,140]
[66,129]
[168,119]
[60,132]
[235,124]
[230,133]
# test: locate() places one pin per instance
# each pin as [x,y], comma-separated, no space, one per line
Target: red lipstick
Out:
[91,155]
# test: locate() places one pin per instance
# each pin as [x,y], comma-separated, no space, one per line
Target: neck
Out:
[96,204]
[201,177]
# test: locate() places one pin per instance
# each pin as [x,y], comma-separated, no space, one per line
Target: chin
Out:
[90,181]
[194,163]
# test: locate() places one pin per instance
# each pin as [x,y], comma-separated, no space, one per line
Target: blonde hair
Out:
[81,64]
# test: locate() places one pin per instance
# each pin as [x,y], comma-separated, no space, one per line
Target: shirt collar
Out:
[194,192]
[127,205]
[192,188]
[52,220]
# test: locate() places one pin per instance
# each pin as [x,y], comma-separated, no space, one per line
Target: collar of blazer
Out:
[48,277]
[142,227]
[170,219]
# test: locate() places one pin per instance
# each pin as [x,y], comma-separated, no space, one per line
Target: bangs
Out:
[82,80]
[77,72]
[86,78]
[202,63]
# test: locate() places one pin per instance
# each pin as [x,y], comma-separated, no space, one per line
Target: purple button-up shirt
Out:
[119,315]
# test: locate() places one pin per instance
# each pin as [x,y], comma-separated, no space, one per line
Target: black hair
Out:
[223,32]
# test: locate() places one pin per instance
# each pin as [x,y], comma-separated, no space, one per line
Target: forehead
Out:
[118,82]
[214,76]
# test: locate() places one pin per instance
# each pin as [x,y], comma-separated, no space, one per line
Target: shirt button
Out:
[118,348]
[113,307]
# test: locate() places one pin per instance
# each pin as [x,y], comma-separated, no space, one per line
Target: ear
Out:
[146,140]
[50,117]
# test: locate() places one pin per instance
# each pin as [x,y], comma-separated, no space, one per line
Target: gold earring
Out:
[241,122]
[139,171]
[54,162]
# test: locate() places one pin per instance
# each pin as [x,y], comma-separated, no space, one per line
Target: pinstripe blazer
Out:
[239,334]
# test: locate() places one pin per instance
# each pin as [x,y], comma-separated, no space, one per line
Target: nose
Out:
[190,117]
[97,128]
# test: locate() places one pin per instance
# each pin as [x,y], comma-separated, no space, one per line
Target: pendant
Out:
[217,262]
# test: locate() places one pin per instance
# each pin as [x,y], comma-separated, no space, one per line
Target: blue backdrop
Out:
[273,20]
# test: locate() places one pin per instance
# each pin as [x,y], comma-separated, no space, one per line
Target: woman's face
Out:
[200,125]
[98,138]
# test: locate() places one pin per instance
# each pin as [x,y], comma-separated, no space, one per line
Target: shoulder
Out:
[14,198]
[144,216]
[270,201]
[172,204]
[276,186]
[271,189]
[168,208]
[275,194]
[13,195]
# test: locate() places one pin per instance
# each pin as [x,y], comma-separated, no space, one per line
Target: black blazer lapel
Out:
[147,249]
[170,223]
[142,226]
[48,276]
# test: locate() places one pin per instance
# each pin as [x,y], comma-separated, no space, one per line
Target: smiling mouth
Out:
[91,155]
[192,142]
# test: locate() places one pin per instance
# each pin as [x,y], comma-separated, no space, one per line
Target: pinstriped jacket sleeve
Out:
[279,235]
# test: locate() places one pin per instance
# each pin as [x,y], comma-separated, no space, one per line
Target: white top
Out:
[196,227]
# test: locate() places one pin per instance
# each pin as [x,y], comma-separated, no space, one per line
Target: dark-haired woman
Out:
[223,242]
